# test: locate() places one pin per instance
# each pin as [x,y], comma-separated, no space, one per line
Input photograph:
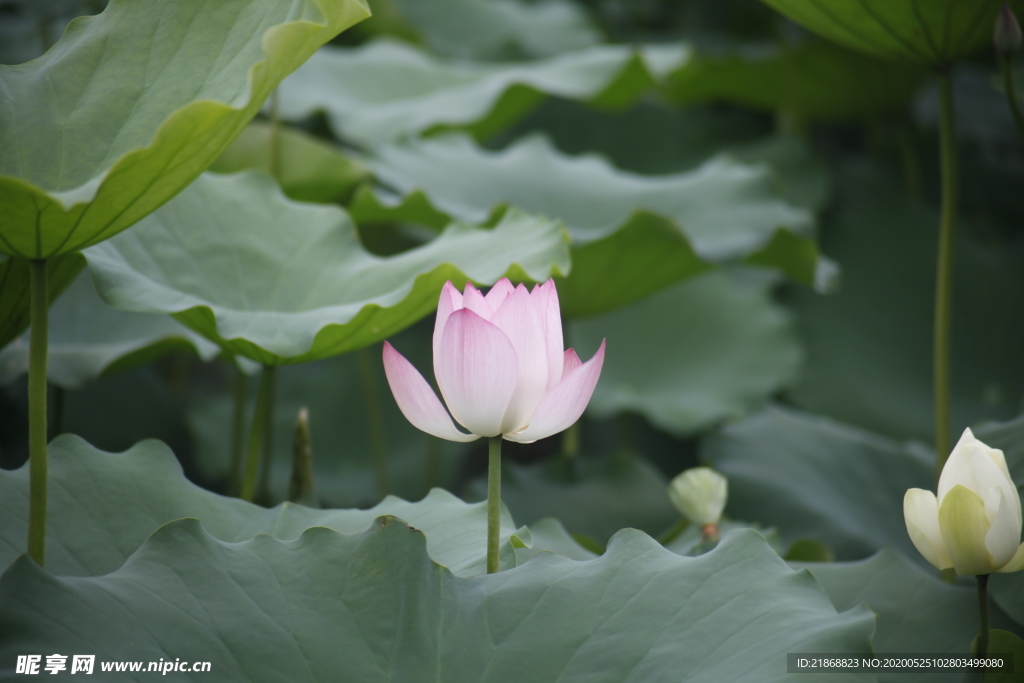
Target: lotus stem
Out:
[39,322]
[1011,94]
[493,502]
[983,615]
[944,268]
[302,489]
[264,407]
[571,440]
[375,421]
[238,430]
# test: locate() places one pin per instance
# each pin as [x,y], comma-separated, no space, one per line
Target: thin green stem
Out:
[983,615]
[39,322]
[1011,94]
[944,268]
[375,421]
[674,531]
[302,489]
[493,502]
[238,431]
[267,454]
[571,440]
[264,401]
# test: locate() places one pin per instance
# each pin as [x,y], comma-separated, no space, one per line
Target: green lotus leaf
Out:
[308,169]
[89,338]
[865,364]
[280,282]
[139,101]
[372,606]
[485,29]
[591,495]
[930,33]
[632,234]
[103,506]
[15,296]
[387,89]
[917,611]
[815,478]
[814,80]
[700,352]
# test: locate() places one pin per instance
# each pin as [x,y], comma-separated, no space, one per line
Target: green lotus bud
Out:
[1006,36]
[973,525]
[700,494]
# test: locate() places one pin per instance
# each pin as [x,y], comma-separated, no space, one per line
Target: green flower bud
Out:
[700,494]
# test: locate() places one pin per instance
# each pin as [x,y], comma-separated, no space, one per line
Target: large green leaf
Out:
[308,169]
[103,506]
[813,80]
[705,350]
[930,33]
[814,478]
[869,359]
[632,234]
[89,338]
[372,606]
[593,496]
[281,282]
[137,102]
[342,409]
[15,296]
[387,89]
[917,611]
[498,29]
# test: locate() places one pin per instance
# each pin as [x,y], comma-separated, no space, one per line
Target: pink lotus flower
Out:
[500,367]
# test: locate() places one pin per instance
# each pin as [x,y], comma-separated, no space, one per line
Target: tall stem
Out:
[375,421]
[944,268]
[264,403]
[493,502]
[1011,94]
[238,431]
[39,322]
[983,615]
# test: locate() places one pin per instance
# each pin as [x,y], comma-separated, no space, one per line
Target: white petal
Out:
[1016,563]
[545,298]
[564,404]
[474,301]
[450,301]
[1003,537]
[921,514]
[501,289]
[476,372]
[971,465]
[523,324]
[417,400]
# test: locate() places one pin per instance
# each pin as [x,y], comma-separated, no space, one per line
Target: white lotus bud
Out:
[974,523]
[700,494]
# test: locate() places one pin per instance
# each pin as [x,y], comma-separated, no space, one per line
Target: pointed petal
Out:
[417,400]
[964,525]
[570,361]
[971,465]
[1015,564]
[564,404]
[1003,535]
[450,301]
[501,289]
[523,324]
[546,300]
[474,301]
[476,372]
[921,514]
[999,459]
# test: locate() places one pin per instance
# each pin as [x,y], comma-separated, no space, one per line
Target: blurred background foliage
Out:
[753,213]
